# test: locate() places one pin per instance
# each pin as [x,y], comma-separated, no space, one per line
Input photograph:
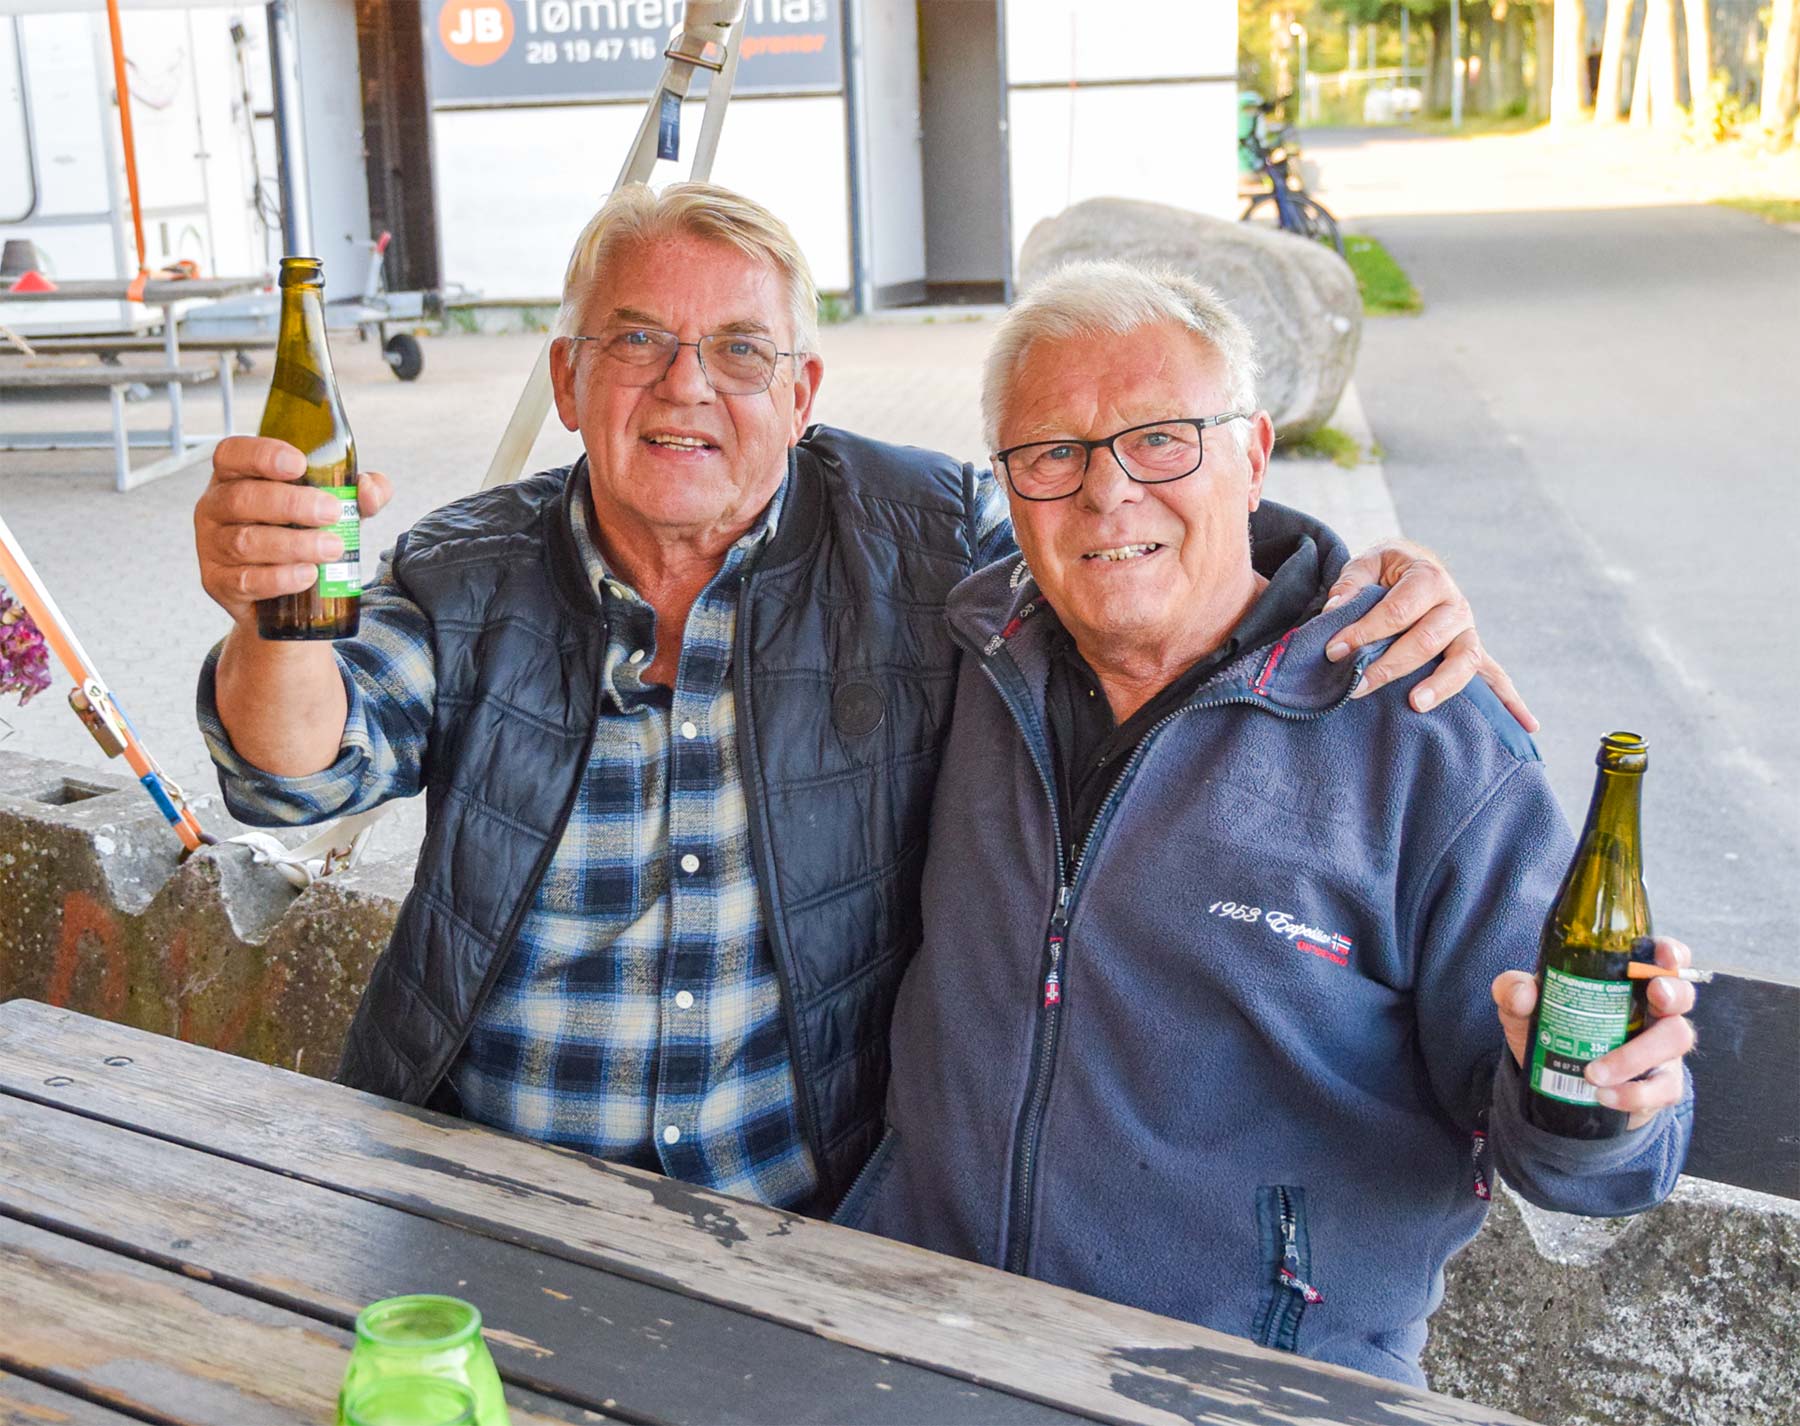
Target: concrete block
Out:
[98,912]
[1688,1315]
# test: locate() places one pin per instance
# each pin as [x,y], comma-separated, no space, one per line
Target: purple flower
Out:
[24,659]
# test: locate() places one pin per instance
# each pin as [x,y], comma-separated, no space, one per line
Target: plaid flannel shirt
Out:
[638,1015]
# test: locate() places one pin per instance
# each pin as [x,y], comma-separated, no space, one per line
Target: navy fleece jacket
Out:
[1250,1074]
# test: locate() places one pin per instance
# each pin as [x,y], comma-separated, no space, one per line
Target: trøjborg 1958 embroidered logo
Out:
[1329,944]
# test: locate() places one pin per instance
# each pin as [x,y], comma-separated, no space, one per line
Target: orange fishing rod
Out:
[91,699]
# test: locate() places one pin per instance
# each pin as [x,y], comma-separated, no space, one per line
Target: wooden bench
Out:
[117,381]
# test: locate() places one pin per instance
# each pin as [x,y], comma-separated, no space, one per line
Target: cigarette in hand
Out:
[1643,970]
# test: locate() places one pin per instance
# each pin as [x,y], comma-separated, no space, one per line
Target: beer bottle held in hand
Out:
[1600,924]
[304,410]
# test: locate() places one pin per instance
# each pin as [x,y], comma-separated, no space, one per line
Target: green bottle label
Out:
[342,578]
[1579,1020]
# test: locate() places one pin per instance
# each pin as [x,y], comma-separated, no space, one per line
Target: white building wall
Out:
[891,140]
[1132,100]
[515,185]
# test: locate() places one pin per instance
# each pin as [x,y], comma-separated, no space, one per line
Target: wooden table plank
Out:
[1110,1362]
[26,1403]
[559,1327]
[175,1348]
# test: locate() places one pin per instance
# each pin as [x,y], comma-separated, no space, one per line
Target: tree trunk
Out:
[1612,60]
[1699,39]
[1437,67]
[1640,70]
[1568,82]
[1543,34]
[1659,47]
[1475,90]
[1489,49]
[1511,71]
[1780,81]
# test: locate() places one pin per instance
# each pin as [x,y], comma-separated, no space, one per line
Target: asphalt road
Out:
[1595,420]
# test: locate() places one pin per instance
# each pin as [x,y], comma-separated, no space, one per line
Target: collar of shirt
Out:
[631,622]
[1089,746]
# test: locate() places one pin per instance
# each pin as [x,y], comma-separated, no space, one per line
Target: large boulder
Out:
[1298,297]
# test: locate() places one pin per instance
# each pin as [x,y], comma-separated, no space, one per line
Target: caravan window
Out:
[18,178]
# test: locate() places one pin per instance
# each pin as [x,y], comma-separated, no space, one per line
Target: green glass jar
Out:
[423,1336]
[412,1401]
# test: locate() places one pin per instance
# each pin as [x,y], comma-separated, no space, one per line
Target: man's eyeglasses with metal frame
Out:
[1151,454]
[734,363]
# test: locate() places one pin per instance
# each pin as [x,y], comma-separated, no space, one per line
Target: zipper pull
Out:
[1059,925]
[1289,1272]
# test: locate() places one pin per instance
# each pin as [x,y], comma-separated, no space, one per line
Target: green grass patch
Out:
[1328,443]
[1773,210]
[1386,289]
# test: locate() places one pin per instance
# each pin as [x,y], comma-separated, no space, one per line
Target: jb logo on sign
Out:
[476,34]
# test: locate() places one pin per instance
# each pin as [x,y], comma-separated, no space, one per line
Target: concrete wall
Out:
[1688,1315]
[96,915]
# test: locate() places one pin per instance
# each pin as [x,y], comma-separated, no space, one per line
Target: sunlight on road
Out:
[1367,172]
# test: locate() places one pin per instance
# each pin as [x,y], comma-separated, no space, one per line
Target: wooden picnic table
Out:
[170,376]
[186,1237]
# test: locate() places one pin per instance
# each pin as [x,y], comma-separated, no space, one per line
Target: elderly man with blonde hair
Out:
[677,711]
[1205,1016]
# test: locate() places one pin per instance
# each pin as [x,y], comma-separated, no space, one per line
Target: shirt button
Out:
[671,1135]
[637,656]
[684,999]
[690,863]
[688,730]
[616,587]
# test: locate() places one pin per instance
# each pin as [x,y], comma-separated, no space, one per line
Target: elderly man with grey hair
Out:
[676,709]
[1205,1016]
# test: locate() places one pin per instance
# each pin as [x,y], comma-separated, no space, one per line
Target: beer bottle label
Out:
[1578,1020]
[342,578]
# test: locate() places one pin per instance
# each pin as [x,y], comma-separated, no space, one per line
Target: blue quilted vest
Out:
[844,671]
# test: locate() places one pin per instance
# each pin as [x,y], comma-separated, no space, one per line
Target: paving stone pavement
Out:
[123,566]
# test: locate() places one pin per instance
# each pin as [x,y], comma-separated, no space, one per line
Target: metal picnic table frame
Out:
[182,446]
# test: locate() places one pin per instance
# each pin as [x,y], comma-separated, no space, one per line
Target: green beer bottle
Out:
[1598,926]
[304,410]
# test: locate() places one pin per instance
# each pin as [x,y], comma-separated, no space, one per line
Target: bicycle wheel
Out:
[1262,210]
[1312,219]
[1321,227]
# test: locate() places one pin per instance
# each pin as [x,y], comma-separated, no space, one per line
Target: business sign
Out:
[537,51]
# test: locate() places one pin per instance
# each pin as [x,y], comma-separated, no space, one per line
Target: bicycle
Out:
[1285,202]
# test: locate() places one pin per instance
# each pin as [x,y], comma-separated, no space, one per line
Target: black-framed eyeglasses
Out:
[735,363]
[1151,454]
